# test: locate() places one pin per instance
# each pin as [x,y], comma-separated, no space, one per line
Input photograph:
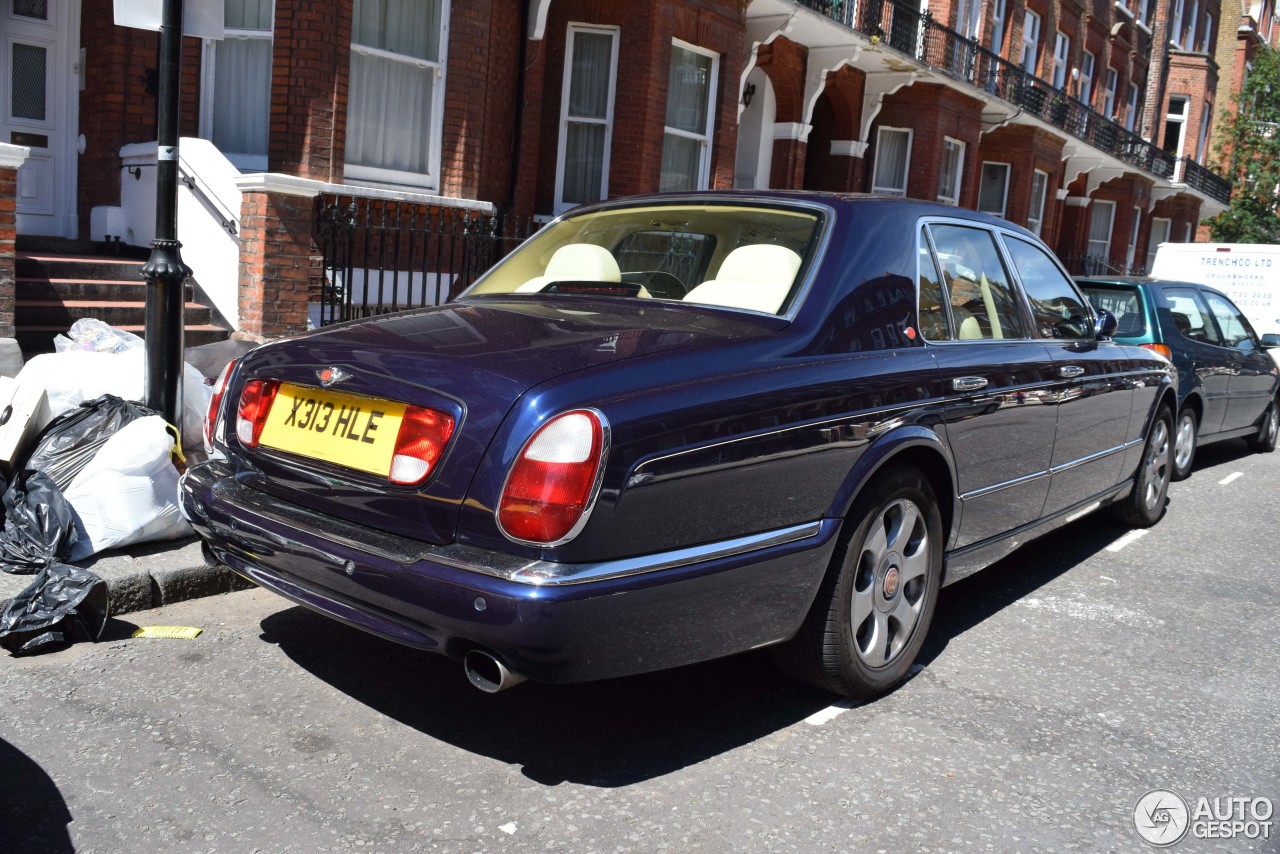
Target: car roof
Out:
[905,207]
[1134,281]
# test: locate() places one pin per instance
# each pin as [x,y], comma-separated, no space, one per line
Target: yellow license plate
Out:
[347,429]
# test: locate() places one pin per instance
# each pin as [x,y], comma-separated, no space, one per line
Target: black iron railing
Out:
[905,29]
[380,256]
[1096,264]
[1199,178]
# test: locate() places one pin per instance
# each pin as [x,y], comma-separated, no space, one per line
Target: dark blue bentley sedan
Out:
[673,428]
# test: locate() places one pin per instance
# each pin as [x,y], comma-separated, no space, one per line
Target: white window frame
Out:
[1181,119]
[565,119]
[1135,228]
[1061,59]
[951,148]
[704,162]
[208,71]
[1144,13]
[999,10]
[1030,42]
[906,163]
[1004,200]
[1088,63]
[1131,111]
[1202,144]
[968,17]
[1111,226]
[1159,225]
[1039,192]
[431,179]
[1175,27]
[1207,35]
[1109,94]
[1191,25]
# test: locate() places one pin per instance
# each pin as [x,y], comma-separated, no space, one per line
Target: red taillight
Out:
[215,403]
[1162,349]
[419,444]
[553,479]
[255,406]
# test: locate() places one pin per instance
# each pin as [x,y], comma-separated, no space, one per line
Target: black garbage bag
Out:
[62,605]
[70,441]
[39,524]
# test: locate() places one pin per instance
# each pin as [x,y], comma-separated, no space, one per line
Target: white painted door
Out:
[39,107]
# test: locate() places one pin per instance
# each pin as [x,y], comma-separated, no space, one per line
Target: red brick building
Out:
[304,117]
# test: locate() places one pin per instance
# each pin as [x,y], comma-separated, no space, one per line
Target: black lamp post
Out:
[164,271]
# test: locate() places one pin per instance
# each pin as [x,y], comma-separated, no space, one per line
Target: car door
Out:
[996,379]
[1252,381]
[1094,389]
[1188,326]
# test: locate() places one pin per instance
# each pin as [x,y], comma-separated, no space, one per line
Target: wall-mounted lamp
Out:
[748,92]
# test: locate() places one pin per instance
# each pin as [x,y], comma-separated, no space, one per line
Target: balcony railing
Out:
[1199,178]
[907,30]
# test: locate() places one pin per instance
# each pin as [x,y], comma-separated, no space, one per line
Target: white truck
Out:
[1248,273]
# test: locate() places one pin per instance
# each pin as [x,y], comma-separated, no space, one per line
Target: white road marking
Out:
[1135,534]
[830,713]
[1233,476]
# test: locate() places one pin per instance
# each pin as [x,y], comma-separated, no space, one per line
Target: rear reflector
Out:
[419,444]
[255,406]
[553,481]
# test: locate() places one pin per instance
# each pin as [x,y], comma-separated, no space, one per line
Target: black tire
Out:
[1145,504]
[1265,441]
[1185,435]
[894,530]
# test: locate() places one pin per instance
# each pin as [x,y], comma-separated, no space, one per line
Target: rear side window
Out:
[983,304]
[934,324]
[1055,304]
[1190,317]
[1125,304]
[1236,331]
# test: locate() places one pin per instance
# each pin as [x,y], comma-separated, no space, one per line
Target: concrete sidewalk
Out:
[146,576]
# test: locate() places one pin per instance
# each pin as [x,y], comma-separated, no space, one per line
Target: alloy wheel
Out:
[1155,468]
[888,591]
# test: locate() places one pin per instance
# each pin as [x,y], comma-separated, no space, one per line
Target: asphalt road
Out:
[1057,688]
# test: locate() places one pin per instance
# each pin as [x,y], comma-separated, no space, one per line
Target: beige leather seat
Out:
[576,262]
[756,277]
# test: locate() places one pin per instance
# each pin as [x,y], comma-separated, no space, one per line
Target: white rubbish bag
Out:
[128,493]
[78,375]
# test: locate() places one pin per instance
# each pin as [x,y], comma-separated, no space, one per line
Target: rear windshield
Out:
[1124,303]
[732,256]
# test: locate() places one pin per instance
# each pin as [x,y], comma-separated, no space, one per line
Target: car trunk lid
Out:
[471,360]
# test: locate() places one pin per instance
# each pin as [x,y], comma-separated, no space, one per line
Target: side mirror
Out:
[1271,341]
[1105,325]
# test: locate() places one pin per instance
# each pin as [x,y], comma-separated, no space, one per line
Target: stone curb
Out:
[147,576]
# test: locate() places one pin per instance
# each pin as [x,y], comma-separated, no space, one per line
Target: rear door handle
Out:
[1070,371]
[969,383]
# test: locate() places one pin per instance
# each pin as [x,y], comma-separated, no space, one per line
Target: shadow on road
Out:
[971,600]
[33,815]
[623,731]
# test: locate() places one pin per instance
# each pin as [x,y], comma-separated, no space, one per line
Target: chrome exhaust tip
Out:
[206,552]
[487,673]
